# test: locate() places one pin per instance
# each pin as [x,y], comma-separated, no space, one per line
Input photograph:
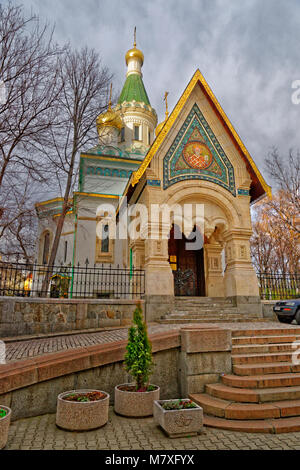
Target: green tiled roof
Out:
[134,90]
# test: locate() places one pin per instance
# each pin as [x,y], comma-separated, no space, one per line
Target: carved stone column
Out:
[159,276]
[214,279]
[240,279]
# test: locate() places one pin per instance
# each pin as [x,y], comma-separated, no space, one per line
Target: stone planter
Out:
[81,416]
[178,423]
[4,427]
[135,404]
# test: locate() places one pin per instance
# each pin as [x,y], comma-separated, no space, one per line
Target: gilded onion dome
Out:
[134,53]
[110,118]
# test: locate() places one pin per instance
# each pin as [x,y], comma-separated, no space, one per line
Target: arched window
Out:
[46,248]
[66,252]
[105,239]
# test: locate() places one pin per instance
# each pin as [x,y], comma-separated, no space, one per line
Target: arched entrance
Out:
[187,264]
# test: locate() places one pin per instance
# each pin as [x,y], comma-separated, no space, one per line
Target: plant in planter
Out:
[82,410]
[136,400]
[179,418]
[5,416]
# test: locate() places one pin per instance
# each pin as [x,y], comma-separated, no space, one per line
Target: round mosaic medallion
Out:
[197,155]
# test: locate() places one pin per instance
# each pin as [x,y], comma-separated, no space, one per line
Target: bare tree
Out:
[274,244]
[30,89]
[285,172]
[84,84]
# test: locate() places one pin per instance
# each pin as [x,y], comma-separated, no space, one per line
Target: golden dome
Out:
[134,53]
[110,119]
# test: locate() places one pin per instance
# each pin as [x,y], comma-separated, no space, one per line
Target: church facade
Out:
[193,159]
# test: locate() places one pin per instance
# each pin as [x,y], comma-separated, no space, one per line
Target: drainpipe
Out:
[74,247]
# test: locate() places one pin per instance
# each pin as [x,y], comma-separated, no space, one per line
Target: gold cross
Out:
[134,44]
[166,100]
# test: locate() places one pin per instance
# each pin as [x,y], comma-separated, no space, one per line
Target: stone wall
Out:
[26,316]
[184,363]
[205,355]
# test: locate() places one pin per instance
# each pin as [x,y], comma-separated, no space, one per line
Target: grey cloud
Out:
[247,50]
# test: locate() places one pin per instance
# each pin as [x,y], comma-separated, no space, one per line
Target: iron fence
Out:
[102,281]
[274,286]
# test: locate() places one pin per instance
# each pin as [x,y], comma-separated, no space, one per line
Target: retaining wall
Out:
[26,316]
[183,365]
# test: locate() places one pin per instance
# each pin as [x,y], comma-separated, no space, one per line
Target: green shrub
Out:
[138,358]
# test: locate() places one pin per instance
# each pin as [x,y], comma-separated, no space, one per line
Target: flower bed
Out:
[179,405]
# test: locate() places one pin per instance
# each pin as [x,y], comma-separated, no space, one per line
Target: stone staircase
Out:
[263,393]
[206,310]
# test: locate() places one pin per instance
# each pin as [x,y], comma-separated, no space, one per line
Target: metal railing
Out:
[276,286]
[102,281]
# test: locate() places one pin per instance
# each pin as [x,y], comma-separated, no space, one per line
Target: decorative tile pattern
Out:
[197,154]
[110,172]
[156,183]
[243,192]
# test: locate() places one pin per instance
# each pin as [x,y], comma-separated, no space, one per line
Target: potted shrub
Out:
[178,418]
[5,415]
[136,400]
[82,410]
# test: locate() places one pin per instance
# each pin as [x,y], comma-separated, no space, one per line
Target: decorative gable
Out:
[197,154]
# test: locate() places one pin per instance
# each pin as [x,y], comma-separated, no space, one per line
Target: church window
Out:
[105,239]
[66,252]
[123,134]
[46,247]
[136,132]
[149,138]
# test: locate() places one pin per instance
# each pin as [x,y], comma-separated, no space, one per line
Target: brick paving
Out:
[41,433]
[20,350]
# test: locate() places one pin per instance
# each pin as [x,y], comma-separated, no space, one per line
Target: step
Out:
[238,411]
[256,340]
[263,368]
[271,426]
[209,320]
[203,300]
[267,332]
[203,313]
[262,381]
[262,358]
[203,316]
[263,348]
[243,395]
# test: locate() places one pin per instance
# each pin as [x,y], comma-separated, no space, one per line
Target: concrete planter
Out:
[135,404]
[4,427]
[178,423]
[81,416]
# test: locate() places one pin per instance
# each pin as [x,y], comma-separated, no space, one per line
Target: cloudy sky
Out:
[248,51]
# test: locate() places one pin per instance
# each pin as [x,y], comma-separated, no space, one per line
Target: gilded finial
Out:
[166,100]
[134,43]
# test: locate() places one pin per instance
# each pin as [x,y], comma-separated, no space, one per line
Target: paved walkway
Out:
[41,433]
[20,350]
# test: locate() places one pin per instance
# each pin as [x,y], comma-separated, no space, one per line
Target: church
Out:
[194,157]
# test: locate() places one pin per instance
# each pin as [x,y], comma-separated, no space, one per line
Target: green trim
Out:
[134,90]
